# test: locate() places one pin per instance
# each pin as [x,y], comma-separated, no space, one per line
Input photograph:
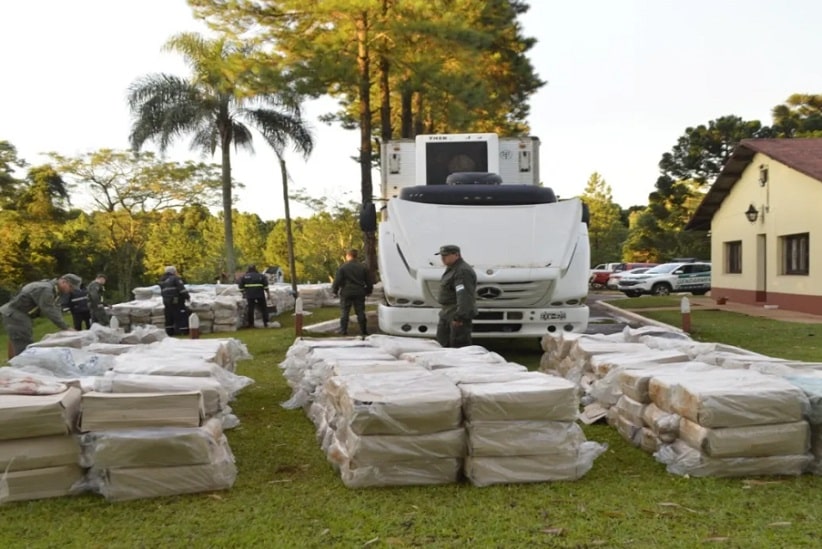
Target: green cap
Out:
[448,249]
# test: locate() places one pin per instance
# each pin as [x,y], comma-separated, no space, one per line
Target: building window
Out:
[733,257]
[795,254]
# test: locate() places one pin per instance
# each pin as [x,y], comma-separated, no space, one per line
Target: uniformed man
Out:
[175,295]
[76,301]
[458,297]
[255,288]
[352,283]
[96,300]
[35,299]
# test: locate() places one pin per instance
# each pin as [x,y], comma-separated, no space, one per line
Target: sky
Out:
[624,80]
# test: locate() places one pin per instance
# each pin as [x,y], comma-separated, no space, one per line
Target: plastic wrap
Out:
[681,459]
[532,395]
[63,362]
[181,367]
[603,364]
[48,482]
[24,416]
[349,447]
[630,431]
[752,399]
[445,358]
[750,441]
[102,411]
[664,425]
[402,473]
[397,345]
[14,381]
[148,482]
[633,382]
[158,447]
[39,452]
[484,373]
[573,465]
[401,403]
[630,409]
[215,397]
[812,387]
[520,438]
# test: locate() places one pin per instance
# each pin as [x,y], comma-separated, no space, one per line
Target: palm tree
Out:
[219,105]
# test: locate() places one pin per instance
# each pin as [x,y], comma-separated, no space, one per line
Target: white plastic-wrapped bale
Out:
[101,411]
[41,483]
[681,459]
[747,441]
[532,395]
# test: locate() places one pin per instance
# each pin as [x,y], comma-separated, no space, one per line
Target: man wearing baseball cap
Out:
[35,299]
[457,297]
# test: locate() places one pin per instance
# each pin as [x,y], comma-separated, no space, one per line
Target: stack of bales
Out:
[734,423]
[39,449]
[152,416]
[397,419]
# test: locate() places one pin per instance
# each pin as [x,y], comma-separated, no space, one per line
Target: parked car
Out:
[613,280]
[693,277]
[599,276]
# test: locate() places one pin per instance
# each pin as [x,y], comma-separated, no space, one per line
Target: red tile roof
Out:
[802,154]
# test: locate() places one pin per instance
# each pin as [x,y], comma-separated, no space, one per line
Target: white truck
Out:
[530,251]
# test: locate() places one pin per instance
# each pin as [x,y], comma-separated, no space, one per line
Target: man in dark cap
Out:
[254,286]
[96,300]
[175,295]
[352,283]
[35,299]
[76,302]
[458,298]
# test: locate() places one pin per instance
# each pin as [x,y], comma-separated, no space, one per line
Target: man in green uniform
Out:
[96,300]
[352,282]
[35,299]
[458,297]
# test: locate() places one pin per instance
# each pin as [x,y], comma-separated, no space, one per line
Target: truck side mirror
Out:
[586,213]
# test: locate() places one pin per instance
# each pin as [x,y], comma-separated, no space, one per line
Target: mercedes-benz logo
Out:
[489,292]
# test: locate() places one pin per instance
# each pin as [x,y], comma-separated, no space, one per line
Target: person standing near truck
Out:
[457,297]
[254,286]
[352,283]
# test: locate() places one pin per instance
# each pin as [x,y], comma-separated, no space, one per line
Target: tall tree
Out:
[799,116]
[606,231]
[129,191]
[703,150]
[460,66]
[218,105]
[8,163]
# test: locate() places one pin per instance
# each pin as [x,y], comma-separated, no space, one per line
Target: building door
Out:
[761,269]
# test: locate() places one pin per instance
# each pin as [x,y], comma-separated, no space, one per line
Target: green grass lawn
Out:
[286,494]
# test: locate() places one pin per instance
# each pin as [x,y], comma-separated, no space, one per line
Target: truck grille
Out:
[494,295]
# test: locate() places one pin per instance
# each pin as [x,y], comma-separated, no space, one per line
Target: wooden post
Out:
[11,350]
[685,309]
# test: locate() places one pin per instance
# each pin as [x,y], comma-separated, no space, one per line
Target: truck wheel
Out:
[661,289]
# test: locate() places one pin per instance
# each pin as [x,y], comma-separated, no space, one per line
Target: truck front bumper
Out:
[490,323]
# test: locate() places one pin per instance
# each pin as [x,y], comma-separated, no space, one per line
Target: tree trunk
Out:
[289,236]
[230,265]
[364,74]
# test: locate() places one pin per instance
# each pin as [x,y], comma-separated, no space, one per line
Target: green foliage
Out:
[799,116]
[606,231]
[319,244]
[287,495]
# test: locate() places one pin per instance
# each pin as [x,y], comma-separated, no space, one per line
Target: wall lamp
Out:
[752,213]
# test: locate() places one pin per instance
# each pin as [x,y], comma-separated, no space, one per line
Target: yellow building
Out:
[764,213]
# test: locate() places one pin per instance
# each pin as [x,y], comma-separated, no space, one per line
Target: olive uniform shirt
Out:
[458,292]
